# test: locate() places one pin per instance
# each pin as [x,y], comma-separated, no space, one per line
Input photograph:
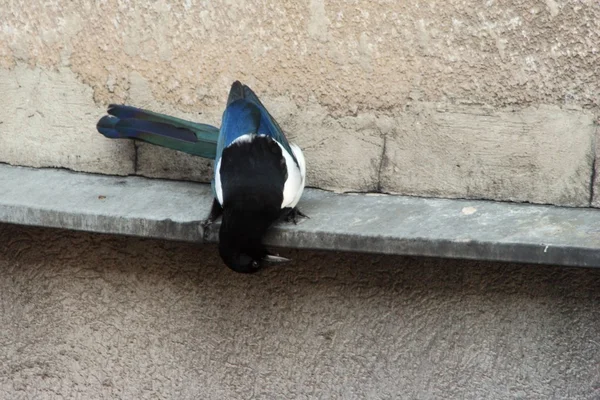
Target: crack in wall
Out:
[135,157]
[381,163]
[594,159]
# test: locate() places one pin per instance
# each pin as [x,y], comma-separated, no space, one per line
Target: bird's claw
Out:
[294,214]
[215,212]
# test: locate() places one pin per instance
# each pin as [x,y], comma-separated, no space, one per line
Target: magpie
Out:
[259,178]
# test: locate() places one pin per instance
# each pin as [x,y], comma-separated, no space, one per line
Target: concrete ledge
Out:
[363,223]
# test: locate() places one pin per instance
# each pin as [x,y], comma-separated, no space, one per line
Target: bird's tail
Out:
[126,122]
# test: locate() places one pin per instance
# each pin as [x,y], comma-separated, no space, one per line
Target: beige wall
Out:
[439,98]
[94,316]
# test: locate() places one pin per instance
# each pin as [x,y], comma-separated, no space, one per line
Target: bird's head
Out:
[241,234]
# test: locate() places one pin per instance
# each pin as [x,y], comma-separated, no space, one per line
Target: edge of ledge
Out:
[175,210]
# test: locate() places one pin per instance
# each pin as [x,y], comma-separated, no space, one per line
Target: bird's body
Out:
[259,176]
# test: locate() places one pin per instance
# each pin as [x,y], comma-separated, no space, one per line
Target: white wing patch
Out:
[247,138]
[294,185]
[218,187]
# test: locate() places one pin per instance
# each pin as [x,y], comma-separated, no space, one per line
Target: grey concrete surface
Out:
[362,223]
[98,203]
[89,316]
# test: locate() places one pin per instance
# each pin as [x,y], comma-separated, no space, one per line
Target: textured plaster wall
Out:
[439,98]
[91,316]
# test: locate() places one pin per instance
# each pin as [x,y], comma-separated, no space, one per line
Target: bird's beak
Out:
[271,258]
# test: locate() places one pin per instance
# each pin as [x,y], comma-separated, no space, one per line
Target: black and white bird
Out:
[259,178]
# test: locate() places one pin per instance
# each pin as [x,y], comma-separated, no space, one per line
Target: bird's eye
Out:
[255,264]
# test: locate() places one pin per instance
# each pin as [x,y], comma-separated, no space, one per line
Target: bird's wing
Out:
[240,117]
[268,125]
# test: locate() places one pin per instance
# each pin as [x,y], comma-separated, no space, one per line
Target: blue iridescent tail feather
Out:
[126,122]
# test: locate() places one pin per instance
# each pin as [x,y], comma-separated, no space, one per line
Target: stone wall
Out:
[88,316]
[445,98]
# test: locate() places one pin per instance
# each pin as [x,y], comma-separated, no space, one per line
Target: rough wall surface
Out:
[545,152]
[342,77]
[91,316]
[47,122]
